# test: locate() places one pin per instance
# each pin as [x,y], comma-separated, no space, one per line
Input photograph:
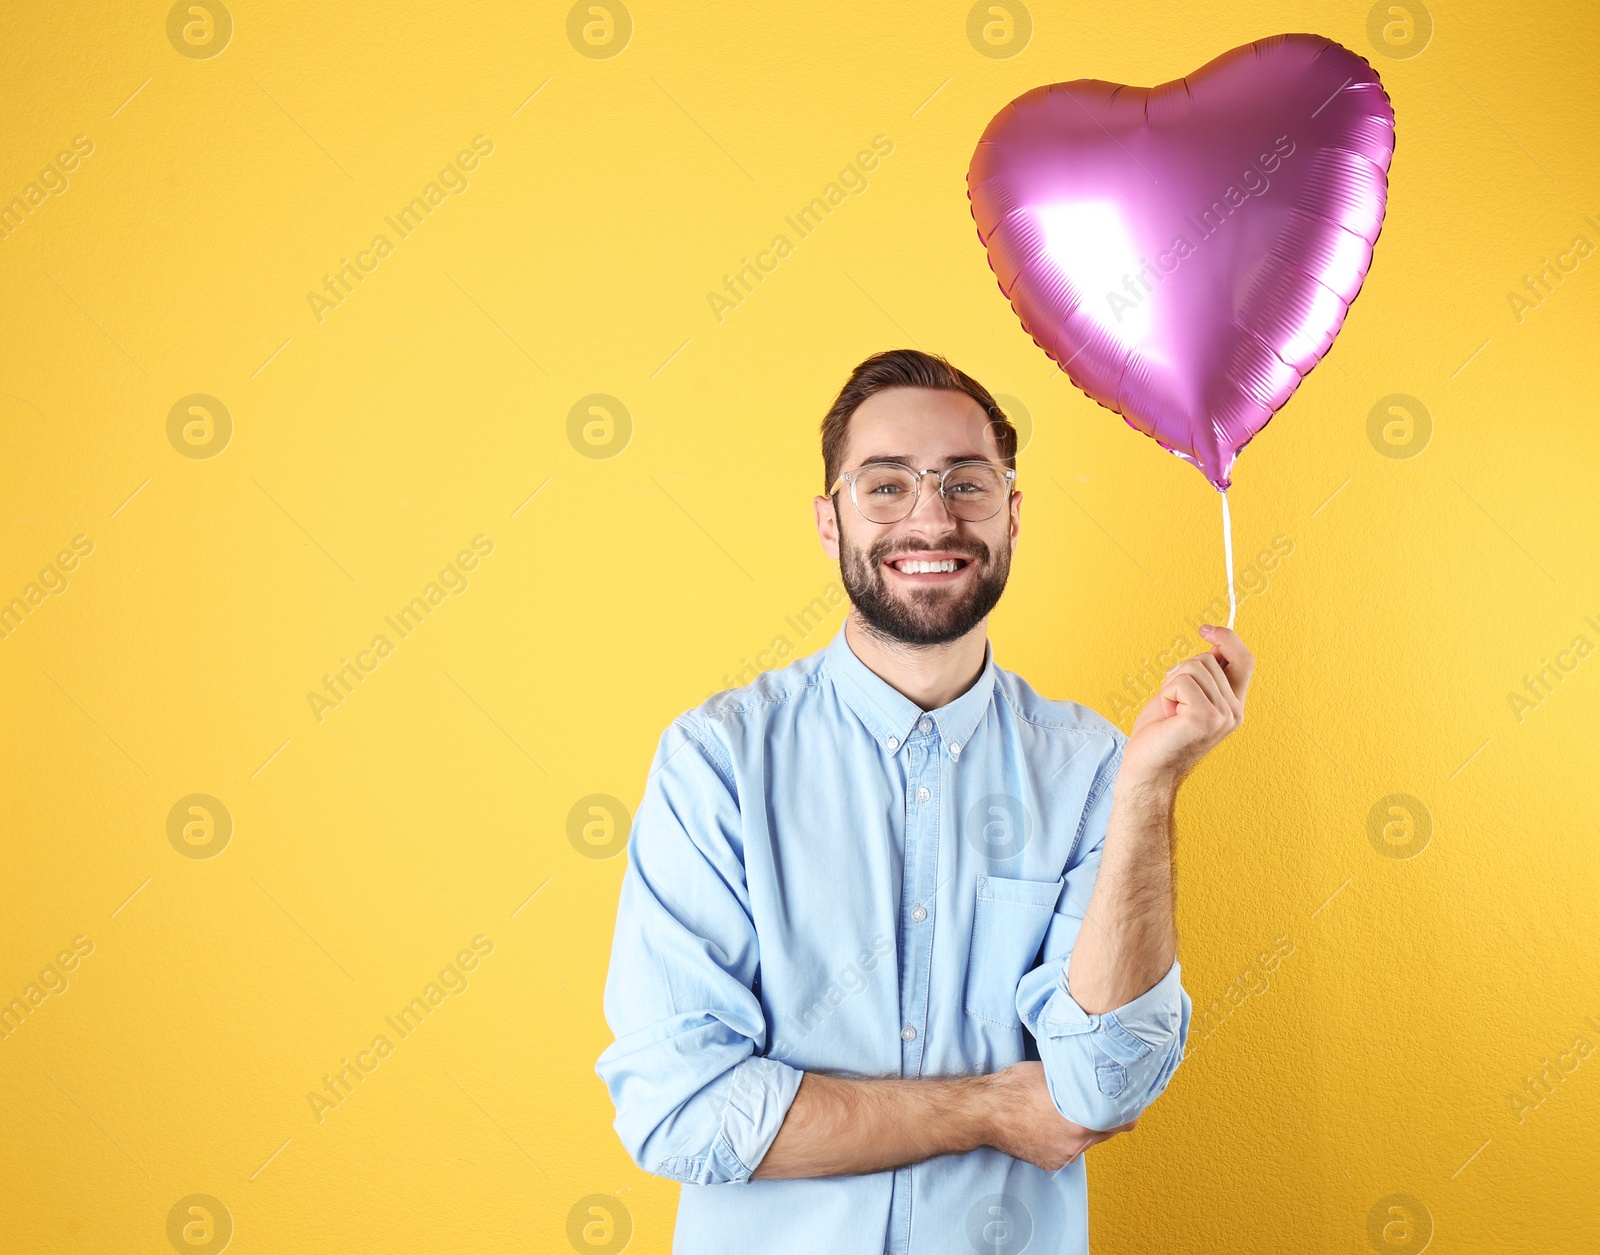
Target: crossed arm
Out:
[1128,939]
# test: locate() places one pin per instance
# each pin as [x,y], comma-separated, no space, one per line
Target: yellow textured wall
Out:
[257,483]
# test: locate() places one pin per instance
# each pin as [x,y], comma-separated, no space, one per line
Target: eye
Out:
[884,482]
[970,481]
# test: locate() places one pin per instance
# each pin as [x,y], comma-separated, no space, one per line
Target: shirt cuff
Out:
[758,1100]
[1153,1017]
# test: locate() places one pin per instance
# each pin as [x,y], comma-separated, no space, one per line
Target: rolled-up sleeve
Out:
[1103,1069]
[694,1100]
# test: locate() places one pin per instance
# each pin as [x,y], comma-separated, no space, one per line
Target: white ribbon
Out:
[1227,550]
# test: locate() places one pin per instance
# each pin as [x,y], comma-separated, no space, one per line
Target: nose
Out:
[938,511]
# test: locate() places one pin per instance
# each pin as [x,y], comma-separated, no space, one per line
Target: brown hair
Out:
[906,368]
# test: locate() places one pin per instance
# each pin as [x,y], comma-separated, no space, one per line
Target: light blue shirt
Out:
[823,876]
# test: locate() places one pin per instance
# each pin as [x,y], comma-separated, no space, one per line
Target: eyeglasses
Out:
[886,492]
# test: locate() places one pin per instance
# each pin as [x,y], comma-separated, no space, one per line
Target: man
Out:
[895,941]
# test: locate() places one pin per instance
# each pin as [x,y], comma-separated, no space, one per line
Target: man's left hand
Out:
[1200,702]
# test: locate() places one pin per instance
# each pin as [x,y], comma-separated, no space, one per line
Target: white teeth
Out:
[927,568]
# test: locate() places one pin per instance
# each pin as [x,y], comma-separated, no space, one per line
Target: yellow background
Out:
[431,406]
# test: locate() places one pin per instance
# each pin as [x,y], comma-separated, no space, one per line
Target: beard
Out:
[929,615]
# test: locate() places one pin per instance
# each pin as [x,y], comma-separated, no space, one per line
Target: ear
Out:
[827,526]
[1016,516]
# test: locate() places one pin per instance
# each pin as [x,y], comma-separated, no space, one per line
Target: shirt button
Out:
[922,795]
[919,913]
[894,742]
[926,725]
[907,1033]
[955,749]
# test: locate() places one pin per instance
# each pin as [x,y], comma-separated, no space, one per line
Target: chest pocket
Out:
[1009,921]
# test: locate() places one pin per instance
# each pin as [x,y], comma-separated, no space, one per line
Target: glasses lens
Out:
[884,493]
[974,491]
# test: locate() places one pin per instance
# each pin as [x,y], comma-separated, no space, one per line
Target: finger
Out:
[1232,701]
[1210,679]
[1229,702]
[1237,661]
[1184,690]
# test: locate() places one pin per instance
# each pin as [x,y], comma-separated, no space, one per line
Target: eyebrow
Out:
[908,460]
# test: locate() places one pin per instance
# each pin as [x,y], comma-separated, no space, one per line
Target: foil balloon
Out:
[1187,253]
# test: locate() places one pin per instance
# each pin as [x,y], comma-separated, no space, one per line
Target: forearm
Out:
[840,1126]
[1128,939]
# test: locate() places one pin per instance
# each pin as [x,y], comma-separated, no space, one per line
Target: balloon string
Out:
[1227,551]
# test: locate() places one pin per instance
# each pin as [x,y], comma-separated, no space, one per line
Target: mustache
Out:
[979,554]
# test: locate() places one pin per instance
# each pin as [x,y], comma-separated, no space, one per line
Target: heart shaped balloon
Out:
[1186,253]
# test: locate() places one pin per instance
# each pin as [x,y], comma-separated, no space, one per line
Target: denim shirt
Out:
[823,876]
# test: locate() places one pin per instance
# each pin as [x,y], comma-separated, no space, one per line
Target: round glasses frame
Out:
[849,478]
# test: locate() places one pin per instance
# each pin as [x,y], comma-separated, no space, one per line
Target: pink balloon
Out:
[1186,253]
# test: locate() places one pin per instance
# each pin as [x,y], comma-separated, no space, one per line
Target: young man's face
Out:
[922,427]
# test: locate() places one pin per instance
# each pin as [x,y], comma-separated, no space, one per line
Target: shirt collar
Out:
[890,715]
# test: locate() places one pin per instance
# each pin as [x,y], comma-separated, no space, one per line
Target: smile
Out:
[929,570]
